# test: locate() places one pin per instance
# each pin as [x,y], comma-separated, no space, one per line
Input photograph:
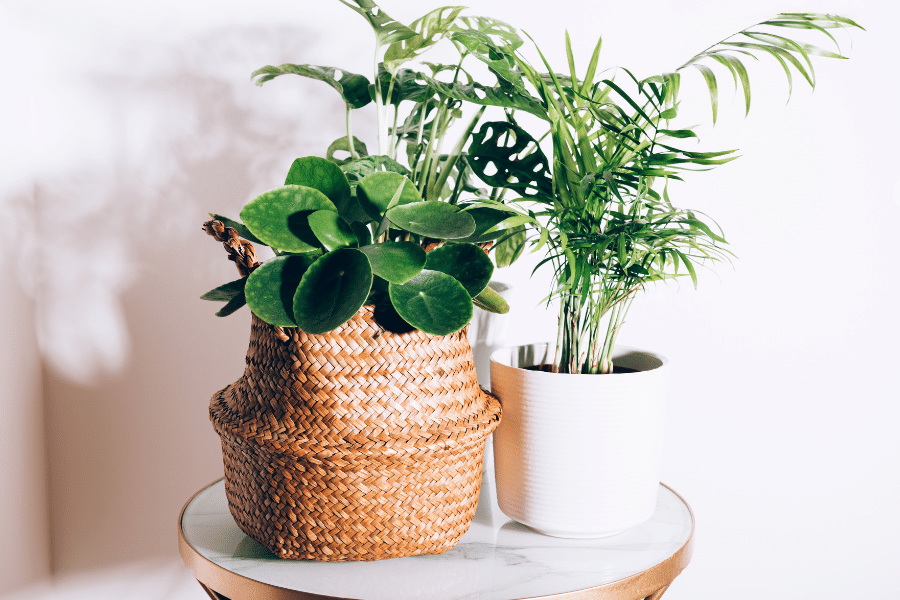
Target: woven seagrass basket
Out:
[358,444]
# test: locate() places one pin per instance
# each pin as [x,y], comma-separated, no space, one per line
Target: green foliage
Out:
[491,301]
[396,262]
[354,89]
[600,205]
[433,219]
[332,231]
[332,290]
[466,263]
[279,217]
[322,175]
[433,302]
[270,289]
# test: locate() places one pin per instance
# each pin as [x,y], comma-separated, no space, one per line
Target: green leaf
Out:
[429,30]
[233,305]
[396,262]
[271,286]
[356,170]
[239,227]
[354,89]
[514,159]
[485,219]
[226,291]
[710,78]
[387,30]
[343,144]
[433,302]
[477,93]
[279,217]
[500,62]
[437,220]
[363,233]
[467,263]
[332,290]
[376,191]
[491,301]
[502,34]
[323,175]
[509,249]
[331,230]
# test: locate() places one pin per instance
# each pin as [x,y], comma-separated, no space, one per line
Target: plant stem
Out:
[350,143]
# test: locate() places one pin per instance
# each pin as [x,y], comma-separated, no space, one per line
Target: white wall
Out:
[782,416]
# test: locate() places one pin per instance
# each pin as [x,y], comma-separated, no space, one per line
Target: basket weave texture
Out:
[358,444]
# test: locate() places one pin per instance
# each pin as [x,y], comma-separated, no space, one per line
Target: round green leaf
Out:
[433,302]
[331,230]
[332,290]
[279,217]
[398,262]
[323,175]
[467,263]
[270,289]
[376,192]
[433,219]
[363,233]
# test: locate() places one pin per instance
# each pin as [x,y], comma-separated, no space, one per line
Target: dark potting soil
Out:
[548,368]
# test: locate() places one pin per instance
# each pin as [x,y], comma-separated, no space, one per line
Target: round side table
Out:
[495,560]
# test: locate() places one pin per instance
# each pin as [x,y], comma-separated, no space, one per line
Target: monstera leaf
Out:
[520,166]
[323,175]
[433,302]
[387,30]
[429,30]
[353,88]
[279,217]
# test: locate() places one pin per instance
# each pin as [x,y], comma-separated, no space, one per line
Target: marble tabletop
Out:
[497,559]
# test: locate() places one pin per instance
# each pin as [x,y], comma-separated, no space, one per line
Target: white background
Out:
[125,122]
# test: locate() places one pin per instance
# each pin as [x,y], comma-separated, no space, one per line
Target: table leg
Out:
[212,594]
[657,594]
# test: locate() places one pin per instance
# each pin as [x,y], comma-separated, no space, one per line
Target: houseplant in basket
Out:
[580,456]
[357,430]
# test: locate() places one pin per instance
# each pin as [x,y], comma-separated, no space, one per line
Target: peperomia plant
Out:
[412,239]
[602,207]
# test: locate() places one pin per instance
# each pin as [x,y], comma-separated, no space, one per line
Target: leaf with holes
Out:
[499,61]
[477,93]
[397,262]
[505,156]
[387,30]
[429,30]
[353,88]
[332,290]
[332,231]
[502,34]
[433,302]
[437,220]
[271,286]
[323,175]
[376,191]
[467,263]
[279,217]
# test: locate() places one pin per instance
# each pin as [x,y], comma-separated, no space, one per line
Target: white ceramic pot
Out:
[578,456]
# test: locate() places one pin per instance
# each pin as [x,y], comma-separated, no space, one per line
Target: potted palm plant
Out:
[357,430]
[580,456]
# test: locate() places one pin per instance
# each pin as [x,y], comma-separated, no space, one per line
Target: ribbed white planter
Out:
[578,456]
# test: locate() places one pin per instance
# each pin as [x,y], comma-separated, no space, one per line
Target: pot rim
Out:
[619,350]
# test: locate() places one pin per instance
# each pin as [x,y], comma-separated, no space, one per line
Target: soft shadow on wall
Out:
[113,254]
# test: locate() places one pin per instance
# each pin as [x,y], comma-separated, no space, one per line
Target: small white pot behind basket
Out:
[578,456]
